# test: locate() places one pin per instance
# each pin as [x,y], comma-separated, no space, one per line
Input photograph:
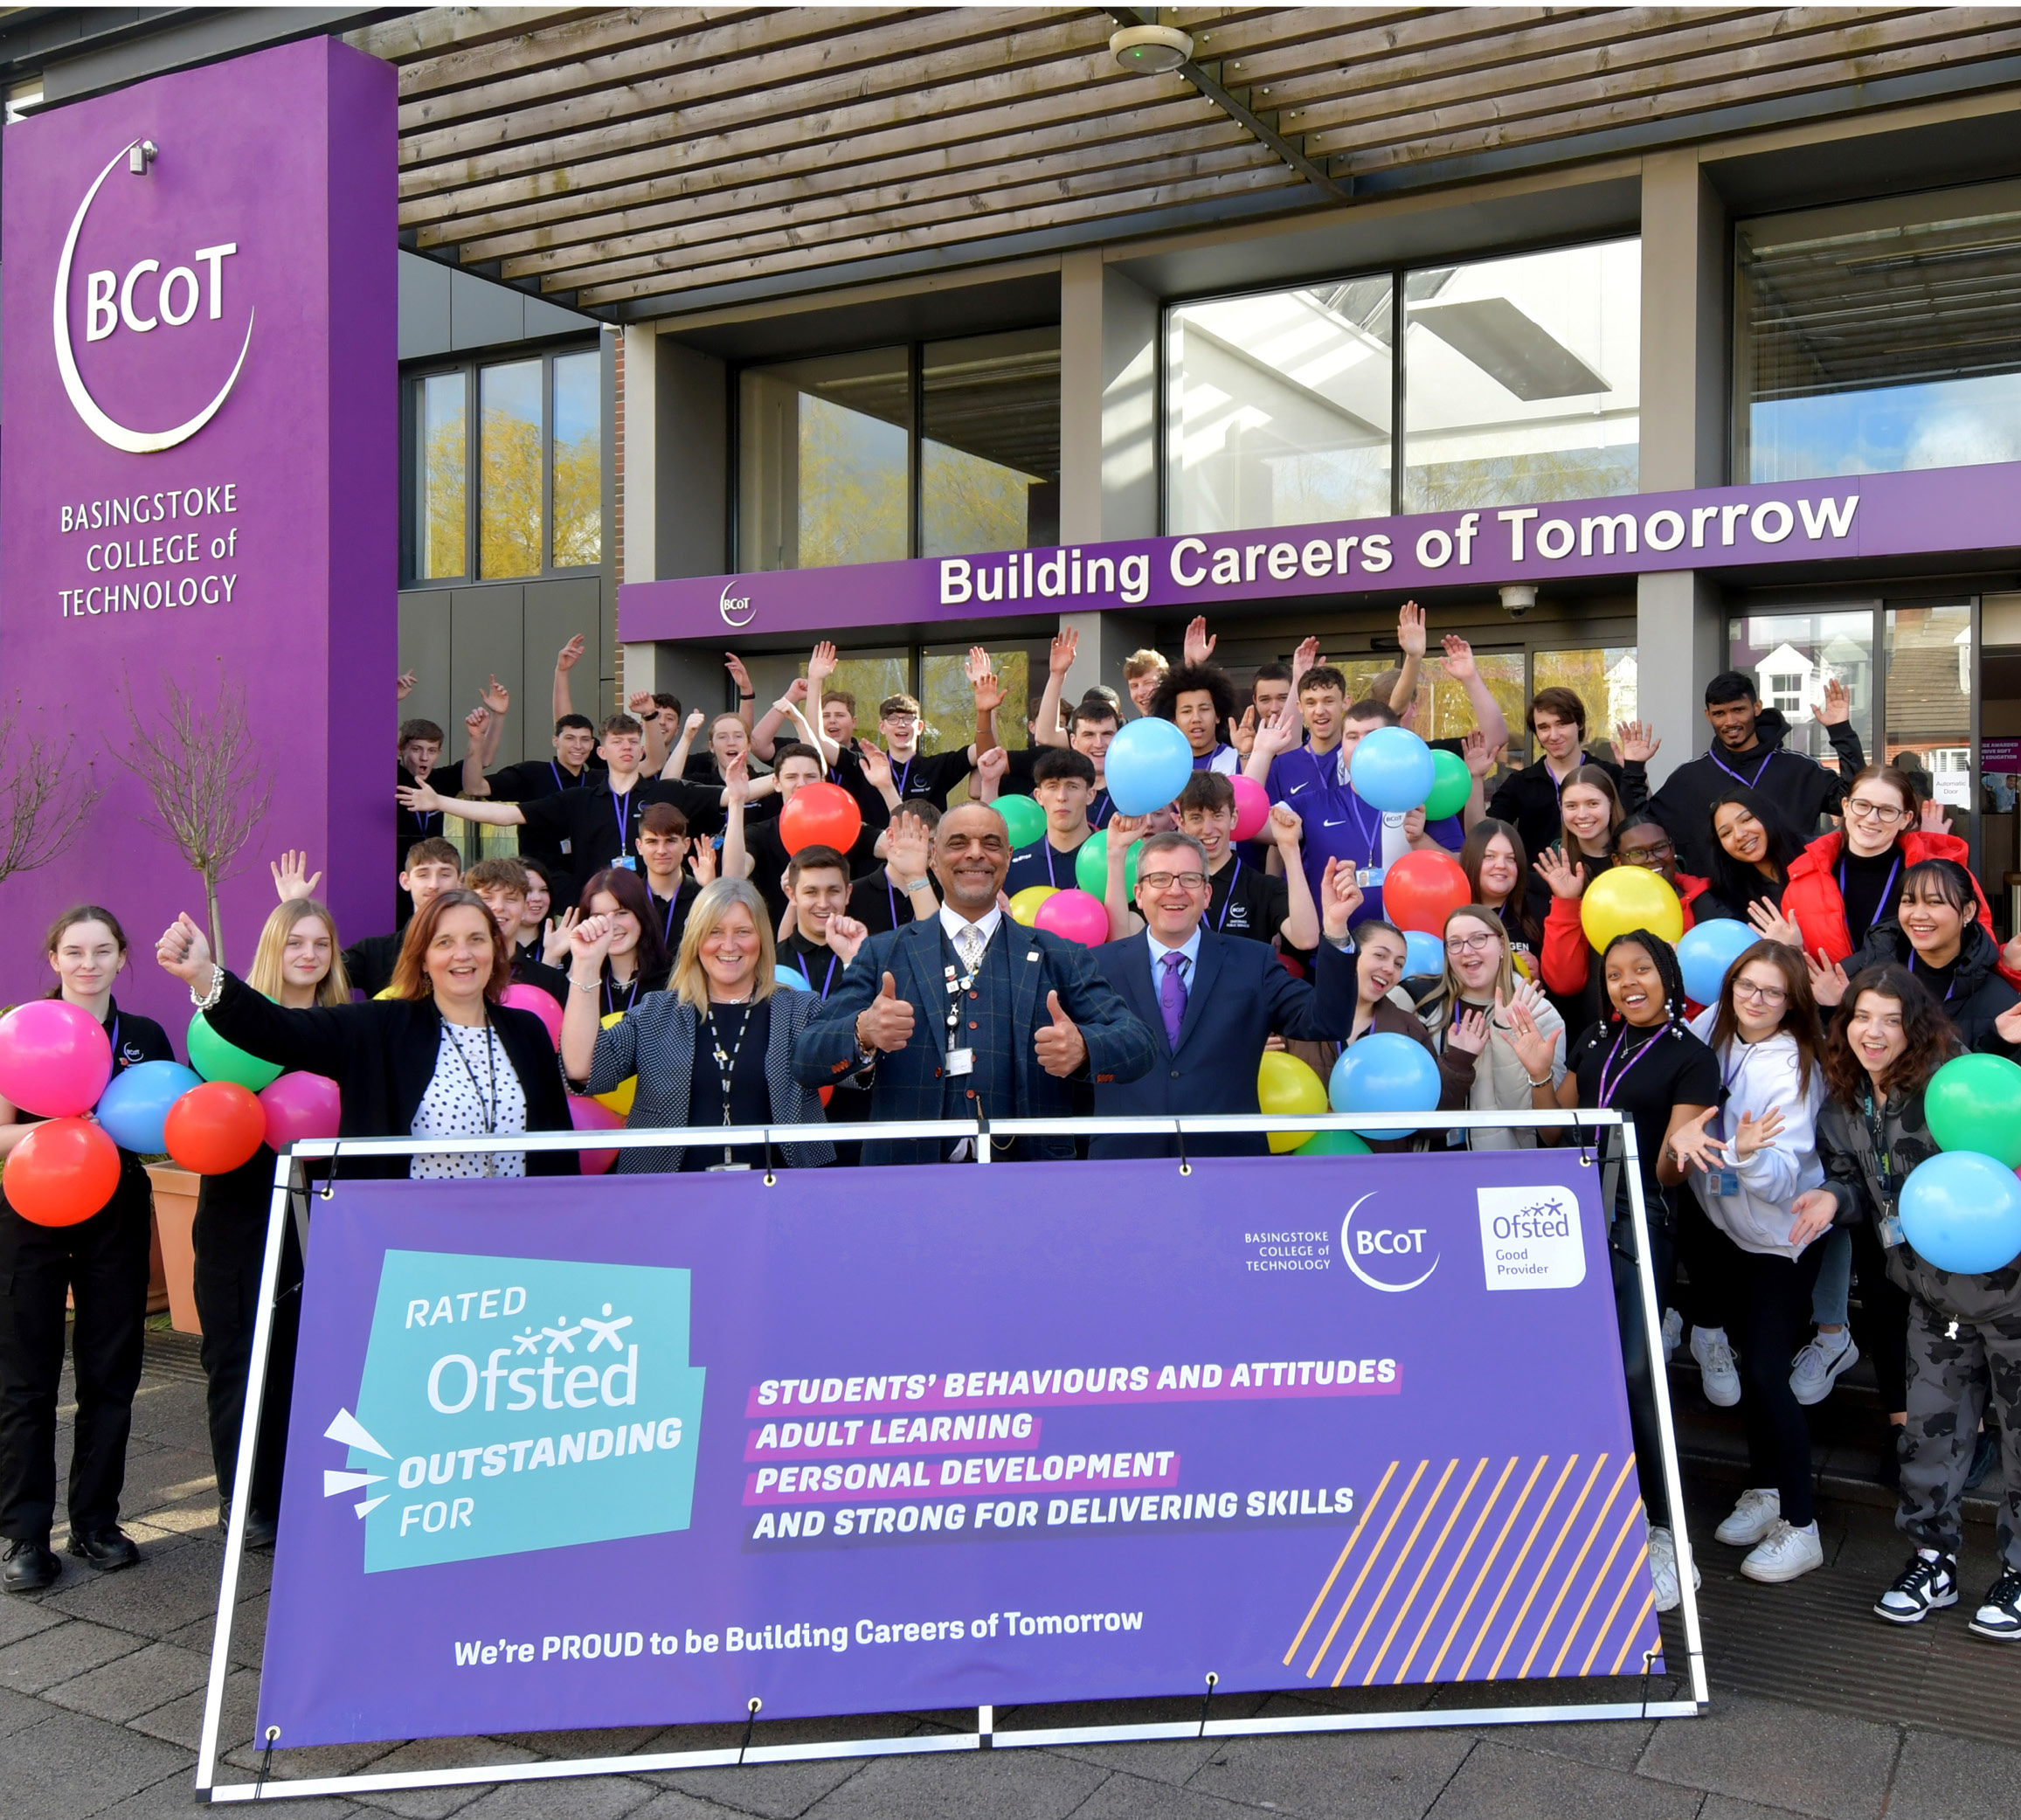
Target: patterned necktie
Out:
[968,943]
[1171,997]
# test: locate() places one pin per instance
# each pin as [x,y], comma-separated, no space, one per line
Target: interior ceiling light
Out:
[1156,48]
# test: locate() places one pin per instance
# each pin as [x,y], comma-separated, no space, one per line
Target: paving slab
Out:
[181,1720]
[1779,1755]
[72,1765]
[589,1798]
[977,1785]
[174,1586]
[439,1754]
[1134,1797]
[1497,1783]
[1940,1778]
[132,1684]
[1337,1775]
[61,1653]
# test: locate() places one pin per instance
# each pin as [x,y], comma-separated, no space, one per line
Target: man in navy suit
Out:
[968,1013]
[1212,1001]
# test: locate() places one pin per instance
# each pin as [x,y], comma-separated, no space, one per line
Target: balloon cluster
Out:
[1961,1209]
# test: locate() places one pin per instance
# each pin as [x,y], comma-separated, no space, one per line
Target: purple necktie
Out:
[1172,998]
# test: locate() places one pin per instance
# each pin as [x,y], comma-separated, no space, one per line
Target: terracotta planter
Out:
[174,1223]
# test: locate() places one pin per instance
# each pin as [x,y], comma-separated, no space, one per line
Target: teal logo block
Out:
[517,1403]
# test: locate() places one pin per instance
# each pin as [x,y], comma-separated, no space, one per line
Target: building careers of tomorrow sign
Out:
[198,467]
[619,1451]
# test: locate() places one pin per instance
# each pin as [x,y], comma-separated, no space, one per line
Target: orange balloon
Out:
[820,815]
[63,1172]
[215,1127]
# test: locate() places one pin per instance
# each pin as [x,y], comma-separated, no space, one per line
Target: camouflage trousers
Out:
[1954,1370]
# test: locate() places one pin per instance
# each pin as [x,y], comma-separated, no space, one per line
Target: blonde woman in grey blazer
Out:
[714,1049]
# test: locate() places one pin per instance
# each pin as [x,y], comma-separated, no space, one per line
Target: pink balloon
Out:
[1074,916]
[541,1005]
[589,1115]
[55,1059]
[301,1105]
[1252,807]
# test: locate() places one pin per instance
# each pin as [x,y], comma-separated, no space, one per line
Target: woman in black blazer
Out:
[440,1058]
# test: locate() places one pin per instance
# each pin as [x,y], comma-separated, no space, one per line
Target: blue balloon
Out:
[136,1100]
[1147,765]
[1962,1211]
[793,978]
[1706,953]
[1386,1072]
[1391,769]
[1423,953]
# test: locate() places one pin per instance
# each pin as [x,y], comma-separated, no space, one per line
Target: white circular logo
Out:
[1379,1244]
[136,442]
[736,608]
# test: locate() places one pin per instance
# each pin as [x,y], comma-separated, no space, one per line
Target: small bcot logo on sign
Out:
[1531,1238]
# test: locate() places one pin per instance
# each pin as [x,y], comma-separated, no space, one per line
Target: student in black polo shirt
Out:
[1063,784]
[433,866]
[824,938]
[902,889]
[574,766]
[420,751]
[663,844]
[1245,899]
[915,774]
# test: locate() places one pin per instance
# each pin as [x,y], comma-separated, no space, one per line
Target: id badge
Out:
[626,862]
[960,1062]
[1368,875]
[1890,1232]
[567,845]
[1723,1182]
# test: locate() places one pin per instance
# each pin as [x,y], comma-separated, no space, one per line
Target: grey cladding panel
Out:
[482,315]
[485,641]
[556,612]
[423,307]
[424,650]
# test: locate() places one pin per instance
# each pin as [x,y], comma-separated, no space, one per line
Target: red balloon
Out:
[61,1173]
[820,815]
[1422,889]
[215,1127]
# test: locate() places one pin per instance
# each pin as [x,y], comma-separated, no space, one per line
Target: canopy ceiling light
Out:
[1156,48]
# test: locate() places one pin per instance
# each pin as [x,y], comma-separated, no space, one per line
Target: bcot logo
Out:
[1390,1258]
[737,609]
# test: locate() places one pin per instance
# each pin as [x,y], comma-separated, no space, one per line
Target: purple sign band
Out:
[1947,511]
[617,1452]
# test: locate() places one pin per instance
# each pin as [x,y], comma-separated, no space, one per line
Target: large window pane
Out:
[1279,408]
[989,452]
[578,460]
[509,539]
[1602,676]
[1881,337]
[1522,378]
[442,477]
[1929,699]
[1792,656]
[823,478]
[947,703]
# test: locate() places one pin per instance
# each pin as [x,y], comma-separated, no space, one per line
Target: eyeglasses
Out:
[1164,881]
[1648,855]
[1471,944]
[1765,994]
[1885,814]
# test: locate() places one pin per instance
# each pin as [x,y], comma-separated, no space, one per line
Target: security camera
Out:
[1518,599]
[1150,47]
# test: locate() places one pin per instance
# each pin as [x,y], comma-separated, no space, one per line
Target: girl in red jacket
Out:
[1640,840]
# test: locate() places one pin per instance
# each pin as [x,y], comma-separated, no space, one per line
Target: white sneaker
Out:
[1716,1370]
[1786,1553]
[1817,1366]
[1927,1584]
[1753,1518]
[1663,1570]
[1672,1333]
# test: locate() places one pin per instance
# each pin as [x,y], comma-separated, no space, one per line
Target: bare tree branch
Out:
[207,778]
[43,802]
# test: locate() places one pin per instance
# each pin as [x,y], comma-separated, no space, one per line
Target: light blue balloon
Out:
[1147,765]
[1962,1211]
[1422,952]
[1706,953]
[793,978]
[1385,1073]
[1392,770]
[136,1101]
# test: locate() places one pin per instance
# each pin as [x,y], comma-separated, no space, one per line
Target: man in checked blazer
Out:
[970,1011]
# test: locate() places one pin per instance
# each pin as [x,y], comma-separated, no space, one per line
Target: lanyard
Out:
[559,775]
[903,778]
[1560,783]
[1880,908]
[673,901]
[1727,1076]
[828,978]
[622,807]
[726,1064]
[1753,782]
[116,1041]
[1950,990]
[1609,1087]
[1228,903]
[631,996]
[1100,810]
[1876,1132]
[488,1103]
[1052,878]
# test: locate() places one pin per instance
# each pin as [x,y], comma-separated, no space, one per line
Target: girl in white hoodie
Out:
[1748,1161]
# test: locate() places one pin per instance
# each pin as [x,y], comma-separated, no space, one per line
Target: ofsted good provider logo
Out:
[140,303]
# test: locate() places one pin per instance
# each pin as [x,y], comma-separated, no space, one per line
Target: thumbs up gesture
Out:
[1061,1047]
[887,1025]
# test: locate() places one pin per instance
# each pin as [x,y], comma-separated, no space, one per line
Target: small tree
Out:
[43,802]
[207,778]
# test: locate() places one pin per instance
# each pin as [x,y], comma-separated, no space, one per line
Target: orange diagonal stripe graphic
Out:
[1374,1554]
[1417,1585]
[1599,1579]
[1481,1577]
[1361,1522]
[1543,1567]
[1572,1572]
[1459,1560]
[1642,1617]
[1404,1554]
[1606,1628]
[1515,1564]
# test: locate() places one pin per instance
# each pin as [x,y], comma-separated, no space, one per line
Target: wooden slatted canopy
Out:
[657,161]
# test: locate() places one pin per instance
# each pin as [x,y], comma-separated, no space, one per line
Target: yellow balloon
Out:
[1025,906]
[1629,897]
[1285,1084]
[619,1099]
[387,994]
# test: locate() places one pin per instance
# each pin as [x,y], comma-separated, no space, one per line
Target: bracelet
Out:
[216,993]
[910,885]
[747,694]
[580,987]
[1545,1082]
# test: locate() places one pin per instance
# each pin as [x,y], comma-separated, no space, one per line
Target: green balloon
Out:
[216,1060]
[1332,1144]
[1452,783]
[1024,817]
[1974,1102]
[1091,865]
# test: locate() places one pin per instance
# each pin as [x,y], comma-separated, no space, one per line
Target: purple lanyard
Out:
[1566,778]
[891,900]
[622,806]
[1097,815]
[1228,903]
[904,777]
[828,978]
[1051,878]
[1609,1088]
[116,1041]
[631,997]
[667,933]
[560,774]
[1753,782]
[1948,991]
[1880,908]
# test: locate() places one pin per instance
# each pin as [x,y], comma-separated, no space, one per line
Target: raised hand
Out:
[1814,1210]
[909,845]
[420,798]
[876,763]
[1468,1033]
[2009,1023]
[1305,658]
[887,1024]
[1752,1134]
[1479,757]
[1931,819]
[1286,829]
[1340,897]
[1528,998]
[701,861]
[1634,742]
[1414,821]
[405,685]
[821,662]
[736,780]
[1773,926]
[846,936]
[796,694]
[1279,733]
[589,943]
[1837,707]
[1061,1047]
[1565,879]
[1459,658]
[988,692]
[1828,982]
[1695,1146]
[976,665]
[641,705]
[1536,1051]
[1242,734]
[991,768]
[1198,647]
[289,884]
[183,951]
[1066,647]
[554,944]
[692,725]
[738,675]
[496,696]
[571,654]
[1410,634]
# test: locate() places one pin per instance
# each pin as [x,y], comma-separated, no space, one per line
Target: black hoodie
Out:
[1801,788]
[1977,993]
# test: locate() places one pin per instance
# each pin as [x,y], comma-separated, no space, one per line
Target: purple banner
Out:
[630,1452]
[198,472]
[1946,511]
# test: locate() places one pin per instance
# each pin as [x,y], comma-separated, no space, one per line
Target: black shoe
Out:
[1985,1457]
[261,1533]
[2000,1616]
[29,1566]
[1928,1584]
[107,1550]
